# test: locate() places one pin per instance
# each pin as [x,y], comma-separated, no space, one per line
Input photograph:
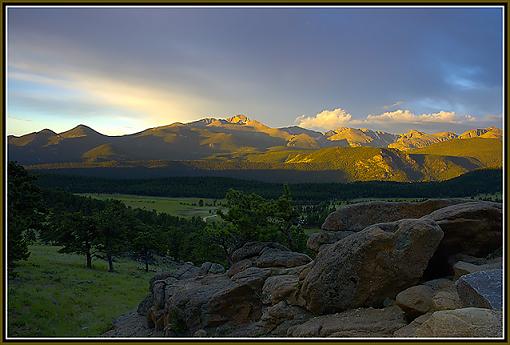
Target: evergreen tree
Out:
[145,242]
[76,232]
[25,214]
[112,223]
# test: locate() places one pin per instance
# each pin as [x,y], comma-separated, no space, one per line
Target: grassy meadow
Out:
[182,207]
[55,295]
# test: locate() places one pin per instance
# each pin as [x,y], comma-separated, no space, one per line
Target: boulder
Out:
[274,322]
[278,288]
[462,268]
[466,322]
[409,331]
[360,322]
[473,228]
[358,216]
[239,266]
[318,239]
[369,266]
[131,324]
[251,249]
[273,257]
[483,289]
[446,299]
[252,276]
[211,300]
[416,300]
[439,294]
[211,268]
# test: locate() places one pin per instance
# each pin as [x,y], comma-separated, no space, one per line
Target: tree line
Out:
[479,181]
[108,229]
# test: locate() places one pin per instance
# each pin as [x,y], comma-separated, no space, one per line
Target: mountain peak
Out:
[47,131]
[239,119]
[78,131]
[413,133]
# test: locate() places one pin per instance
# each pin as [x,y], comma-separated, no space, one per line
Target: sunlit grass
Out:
[55,295]
[182,207]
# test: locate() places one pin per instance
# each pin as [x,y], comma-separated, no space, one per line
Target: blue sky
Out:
[121,70]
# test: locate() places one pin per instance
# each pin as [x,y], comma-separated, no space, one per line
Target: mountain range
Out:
[240,143]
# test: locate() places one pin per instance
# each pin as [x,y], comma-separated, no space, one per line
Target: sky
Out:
[122,70]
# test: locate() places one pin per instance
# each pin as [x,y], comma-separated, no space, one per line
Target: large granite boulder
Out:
[473,228]
[362,322]
[466,322]
[416,300]
[483,289]
[193,300]
[320,238]
[358,216]
[367,267]
[207,301]
[279,288]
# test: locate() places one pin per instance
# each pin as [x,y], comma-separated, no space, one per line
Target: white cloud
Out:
[406,116]
[332,119]
[326,119]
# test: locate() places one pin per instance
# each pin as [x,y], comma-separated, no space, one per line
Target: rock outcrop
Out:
[365,268]
[364,282]
[473,228]
[439,294]
[466,322]
[362,322]
[205,299]
[357,217]
[483,289]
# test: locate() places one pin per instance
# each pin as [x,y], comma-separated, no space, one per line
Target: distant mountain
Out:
[360,137]
[240,143]
[415,139]
[488,133]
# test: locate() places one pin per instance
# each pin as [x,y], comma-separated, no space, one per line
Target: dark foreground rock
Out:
[206,302]
[132,324]
[466,322]
[439,294]
[483,289]
[369,266]
[473,228]
[361,322]
[318,239]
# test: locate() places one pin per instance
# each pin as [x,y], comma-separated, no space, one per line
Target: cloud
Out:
[332,119]
[406,116]
[326,119]
[88,93]
[396,104]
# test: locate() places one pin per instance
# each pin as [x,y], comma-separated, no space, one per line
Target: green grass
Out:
[183,207]
[309,231]
[55,295]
